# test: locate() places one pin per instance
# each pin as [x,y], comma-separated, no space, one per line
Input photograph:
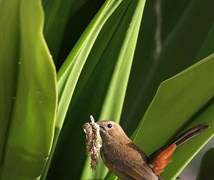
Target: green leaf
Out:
[180,49]
[180,102]
[29,87]
[206,169]
[9,53]
[105,50]
[113,102]
[69,73]
[65,21]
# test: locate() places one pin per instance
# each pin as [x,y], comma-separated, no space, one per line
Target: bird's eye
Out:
[109,125]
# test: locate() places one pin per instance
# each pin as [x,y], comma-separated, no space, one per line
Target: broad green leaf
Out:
[113,102]
[95,71]
[186,152]
[9,62]
[206,169]
[69,73]
[29,83]
[65,21]
[180,49]
[180,102]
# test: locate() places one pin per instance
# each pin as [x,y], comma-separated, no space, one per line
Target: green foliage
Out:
[28,91]
[206,171]
[109,64]
[185,106]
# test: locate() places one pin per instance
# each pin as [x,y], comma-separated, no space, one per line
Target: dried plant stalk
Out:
[92,141]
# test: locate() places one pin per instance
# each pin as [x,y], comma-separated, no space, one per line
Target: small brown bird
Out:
[127,161]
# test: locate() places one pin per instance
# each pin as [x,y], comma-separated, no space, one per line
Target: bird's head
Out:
[111,129]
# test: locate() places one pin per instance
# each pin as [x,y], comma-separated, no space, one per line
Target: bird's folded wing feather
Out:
[132,163]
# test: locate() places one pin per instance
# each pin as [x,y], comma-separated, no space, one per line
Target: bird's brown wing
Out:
[127,163]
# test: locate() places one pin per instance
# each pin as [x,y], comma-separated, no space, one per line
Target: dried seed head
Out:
[92,141]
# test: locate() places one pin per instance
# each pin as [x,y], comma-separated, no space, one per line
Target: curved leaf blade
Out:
[103,54]
[31,127]
[176,104]
[206,169]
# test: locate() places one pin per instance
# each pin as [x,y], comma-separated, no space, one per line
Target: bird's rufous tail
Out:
[160,158]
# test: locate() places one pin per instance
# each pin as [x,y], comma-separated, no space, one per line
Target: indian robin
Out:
[127,161]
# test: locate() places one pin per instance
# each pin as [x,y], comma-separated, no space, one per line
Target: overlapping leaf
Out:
[95,71]
[206,171]
[180,102]
[65,21]
[182,39]
[28,89]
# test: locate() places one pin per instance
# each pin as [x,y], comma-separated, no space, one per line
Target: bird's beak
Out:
[102,128]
